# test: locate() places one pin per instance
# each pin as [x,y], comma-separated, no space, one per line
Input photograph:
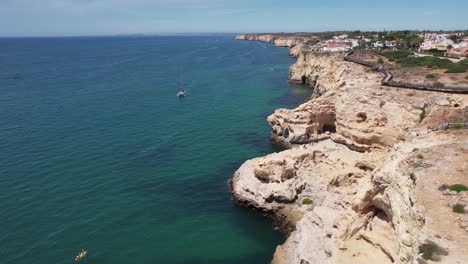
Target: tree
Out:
[413,41]
[449,47]
[455,38]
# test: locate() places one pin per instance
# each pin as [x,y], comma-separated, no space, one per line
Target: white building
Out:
[434,41]
[353,42]
[378,44]
[441,45]
[462,44]
[391,43]
[335,47]
[343,36]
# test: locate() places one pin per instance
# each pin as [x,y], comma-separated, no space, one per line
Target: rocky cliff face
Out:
[263,38]
[278,40]
[297,50]
[351,188]
[350,106]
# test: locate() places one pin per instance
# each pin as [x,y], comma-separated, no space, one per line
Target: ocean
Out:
[97,152]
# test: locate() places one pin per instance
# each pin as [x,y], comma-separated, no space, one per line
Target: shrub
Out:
[397,54]
[419,156]
[431,251]
[380,60]
[459,209]
[457,68]
[307,201]
[430,76]
[428,252]
[466,77]
[422,116]
[437,53]
[435,67]
[458,188]
[458,126]
[432,62]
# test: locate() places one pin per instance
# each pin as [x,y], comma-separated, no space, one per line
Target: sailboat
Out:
[182,92]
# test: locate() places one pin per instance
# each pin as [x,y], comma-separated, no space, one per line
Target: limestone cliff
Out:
[279,40]
[297,50]
[361,180]
[350,106]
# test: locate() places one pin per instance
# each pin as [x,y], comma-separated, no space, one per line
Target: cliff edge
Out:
[365,177]
[279,40]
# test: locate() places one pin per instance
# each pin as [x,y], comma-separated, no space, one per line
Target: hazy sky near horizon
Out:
[102,17]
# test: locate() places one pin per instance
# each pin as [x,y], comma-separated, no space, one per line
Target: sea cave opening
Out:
[329,128]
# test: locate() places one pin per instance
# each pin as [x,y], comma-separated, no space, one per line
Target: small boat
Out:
[82,254]
[182,92]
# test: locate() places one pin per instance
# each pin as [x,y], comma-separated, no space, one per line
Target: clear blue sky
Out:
[98,17]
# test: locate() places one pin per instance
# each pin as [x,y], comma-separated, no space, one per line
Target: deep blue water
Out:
[97,152]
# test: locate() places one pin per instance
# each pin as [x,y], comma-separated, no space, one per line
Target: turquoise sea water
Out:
[97,152]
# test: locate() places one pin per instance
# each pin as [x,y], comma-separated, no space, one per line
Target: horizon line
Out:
[216,33]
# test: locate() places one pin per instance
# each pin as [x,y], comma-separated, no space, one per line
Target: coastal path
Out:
[388,79]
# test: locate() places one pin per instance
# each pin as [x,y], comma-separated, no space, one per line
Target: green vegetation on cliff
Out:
[434,63]
[395,55]
[404,58]
[458,188]
[459,209]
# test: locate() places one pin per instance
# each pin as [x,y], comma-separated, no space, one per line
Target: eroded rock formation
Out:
[350,106]
[360,181]
[279,40]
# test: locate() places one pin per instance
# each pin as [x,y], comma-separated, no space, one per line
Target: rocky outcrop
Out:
[290,41]
[350,107]
[279,40]
[353,187]
[297,50]
[257,37]
[370,214]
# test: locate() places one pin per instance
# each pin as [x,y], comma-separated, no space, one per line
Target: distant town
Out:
[410,59]
[444,43]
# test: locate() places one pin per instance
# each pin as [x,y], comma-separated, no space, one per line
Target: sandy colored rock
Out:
[354,151]
[279,40]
